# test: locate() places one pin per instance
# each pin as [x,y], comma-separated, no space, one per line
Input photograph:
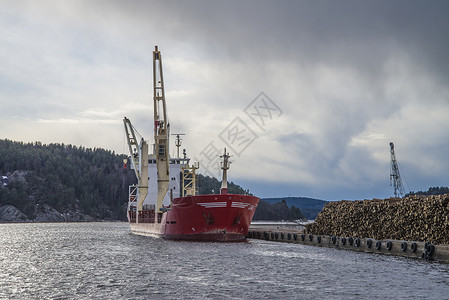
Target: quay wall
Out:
[410,249]
[415,218]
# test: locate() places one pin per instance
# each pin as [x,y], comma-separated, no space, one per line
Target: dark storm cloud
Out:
[341,32]
[349,76]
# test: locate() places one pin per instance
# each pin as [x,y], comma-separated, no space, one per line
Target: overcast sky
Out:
[306,95]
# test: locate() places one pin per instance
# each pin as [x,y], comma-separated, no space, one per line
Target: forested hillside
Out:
[279,211]
[309,207]
[65,177]
[437,190]
[83,181]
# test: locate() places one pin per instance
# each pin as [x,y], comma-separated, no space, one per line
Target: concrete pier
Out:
[386,247]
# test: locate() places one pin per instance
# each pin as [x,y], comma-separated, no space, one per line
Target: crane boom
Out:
[139,160]
[132,143]
[161,129]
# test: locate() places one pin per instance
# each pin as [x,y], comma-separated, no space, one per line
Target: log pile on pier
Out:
[414,218]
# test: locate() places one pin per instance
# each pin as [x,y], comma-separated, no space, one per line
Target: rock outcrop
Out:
[44,214]
[415,218]
[18,176]
[10,214]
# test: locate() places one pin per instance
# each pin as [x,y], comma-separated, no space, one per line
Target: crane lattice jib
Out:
[395,177]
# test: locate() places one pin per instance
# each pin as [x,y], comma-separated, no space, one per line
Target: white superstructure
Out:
[175,184]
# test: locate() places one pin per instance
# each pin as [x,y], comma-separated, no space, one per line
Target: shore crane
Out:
[395,177]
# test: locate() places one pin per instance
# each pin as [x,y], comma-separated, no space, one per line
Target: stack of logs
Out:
[415,218]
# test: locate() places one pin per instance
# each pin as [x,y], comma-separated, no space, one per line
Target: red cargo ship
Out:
[221,218]
[180,214]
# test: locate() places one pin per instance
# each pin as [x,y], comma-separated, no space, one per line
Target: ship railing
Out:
[146,216]
[132,216]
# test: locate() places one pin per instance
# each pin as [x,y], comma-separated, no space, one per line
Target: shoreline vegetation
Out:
[66,183]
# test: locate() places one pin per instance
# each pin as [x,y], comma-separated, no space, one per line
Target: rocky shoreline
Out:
[44,214]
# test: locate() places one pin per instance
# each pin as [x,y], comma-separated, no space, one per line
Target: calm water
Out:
[105,261]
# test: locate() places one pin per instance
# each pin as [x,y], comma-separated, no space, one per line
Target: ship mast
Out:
[140,162]
[161,130]
[178,141]
[225,167]
[395,177]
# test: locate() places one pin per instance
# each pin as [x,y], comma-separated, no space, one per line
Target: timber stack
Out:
[414,218]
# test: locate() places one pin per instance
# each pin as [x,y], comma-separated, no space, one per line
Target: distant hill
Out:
[278,211]
[437,190]
[309,207]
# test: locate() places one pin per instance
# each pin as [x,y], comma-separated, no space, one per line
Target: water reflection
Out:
[103,260]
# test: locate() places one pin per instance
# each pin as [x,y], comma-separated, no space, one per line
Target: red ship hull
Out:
[221,218]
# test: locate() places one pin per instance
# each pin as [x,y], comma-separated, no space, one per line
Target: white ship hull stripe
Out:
[213,204]
[224,204]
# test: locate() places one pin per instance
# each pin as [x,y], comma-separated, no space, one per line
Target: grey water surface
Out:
[106,261]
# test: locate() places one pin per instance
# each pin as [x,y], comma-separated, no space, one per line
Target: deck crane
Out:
[161,130]
[139,159]
[395,177]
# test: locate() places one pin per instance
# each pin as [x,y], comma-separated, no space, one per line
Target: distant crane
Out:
[395,177]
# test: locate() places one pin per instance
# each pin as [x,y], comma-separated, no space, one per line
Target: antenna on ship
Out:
[178,141]
[225,167]
[395,177]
